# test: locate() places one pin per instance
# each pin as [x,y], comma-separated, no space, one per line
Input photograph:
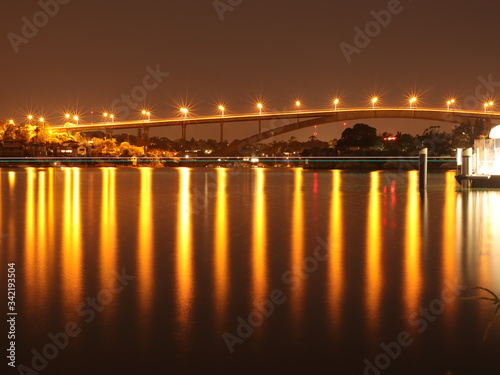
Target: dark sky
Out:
[87,54]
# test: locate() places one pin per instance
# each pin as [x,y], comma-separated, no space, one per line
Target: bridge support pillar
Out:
[109,133]
[183,131]
[146,138]
[487,125]
[221,132]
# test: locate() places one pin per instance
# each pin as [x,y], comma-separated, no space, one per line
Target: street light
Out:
[298,104]
[374,101]
[222,109]
[42,120]
[412,101]
[11,122]
[112,117]
[105,116]
[487,105]
[76,118]
[146,113]
[30,117]
[450,103]
[221,125]
[185,111]
[336,101]
[260,106]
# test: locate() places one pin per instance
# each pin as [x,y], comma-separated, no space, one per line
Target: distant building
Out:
[11,147]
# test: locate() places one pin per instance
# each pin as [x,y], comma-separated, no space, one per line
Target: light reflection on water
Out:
[374,239]
[412,267]
[297,250]
[202,262]
[336,252]
[184,256]
[145,235]
[221,249]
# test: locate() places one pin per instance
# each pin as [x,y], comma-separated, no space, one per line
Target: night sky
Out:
[89,55]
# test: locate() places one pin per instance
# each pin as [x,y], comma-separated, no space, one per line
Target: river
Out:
[258,271]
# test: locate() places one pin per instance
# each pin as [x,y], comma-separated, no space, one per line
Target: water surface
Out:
[262,271]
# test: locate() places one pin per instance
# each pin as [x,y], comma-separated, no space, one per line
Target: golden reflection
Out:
[184,254]
[373,253]
[490,238]
[478,234]
[29,237]
[1,216]
[482,223]
[146,229]
[72,240]
[12,181]
[108,226]
[259,238]
[297,296]
[41,240]
[221,229]
[449,262]
[50,215]
[336,248]
[412,269]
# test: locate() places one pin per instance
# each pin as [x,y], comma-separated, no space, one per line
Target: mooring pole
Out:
[422,167]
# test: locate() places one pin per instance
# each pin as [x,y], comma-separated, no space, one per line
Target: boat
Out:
[479,166]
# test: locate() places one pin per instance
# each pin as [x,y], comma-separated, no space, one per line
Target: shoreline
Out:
[327,165]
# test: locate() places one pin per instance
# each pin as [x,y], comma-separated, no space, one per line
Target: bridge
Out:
[283,122]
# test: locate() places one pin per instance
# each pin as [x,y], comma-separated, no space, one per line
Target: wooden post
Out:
[422,169]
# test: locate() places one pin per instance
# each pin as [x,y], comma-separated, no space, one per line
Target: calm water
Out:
[263,271]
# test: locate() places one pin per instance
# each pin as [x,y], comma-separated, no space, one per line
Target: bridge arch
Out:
[362,114]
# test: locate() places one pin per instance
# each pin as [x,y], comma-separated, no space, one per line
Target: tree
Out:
[406,142]
[360,135]
[126,149]
[436,140]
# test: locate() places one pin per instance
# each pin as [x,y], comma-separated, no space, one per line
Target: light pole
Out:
[449,103]
[374,101]
[112,117]
[413,100]
[259,106]
[105,116]
[487,105]
[76,118]
[185,111]
[297,105]
[336,101]
[146,113]
[221,128]
[30,117]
